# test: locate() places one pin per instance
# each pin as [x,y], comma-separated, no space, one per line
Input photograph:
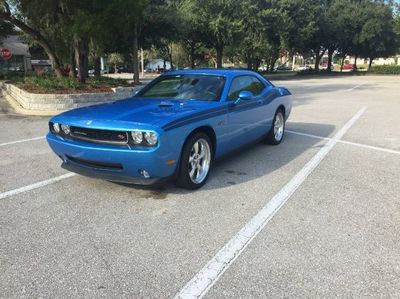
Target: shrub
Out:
[46,83]
[96,81]
[51,82]
[11,75]
[386,69]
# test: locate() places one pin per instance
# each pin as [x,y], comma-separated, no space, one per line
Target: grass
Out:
[385,69]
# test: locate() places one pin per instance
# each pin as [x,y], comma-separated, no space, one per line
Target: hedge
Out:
[386,69]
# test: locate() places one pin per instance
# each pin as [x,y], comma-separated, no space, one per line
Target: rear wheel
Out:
[275,135]
[195,161]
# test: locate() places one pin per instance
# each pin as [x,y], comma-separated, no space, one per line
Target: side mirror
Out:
[136,91]
[244,95]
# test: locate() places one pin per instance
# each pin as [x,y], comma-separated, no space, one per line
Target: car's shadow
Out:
[254,161]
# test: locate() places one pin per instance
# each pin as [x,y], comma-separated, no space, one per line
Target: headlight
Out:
[56,128]
[151,138]
[144,138]
[66,129]
[137,137]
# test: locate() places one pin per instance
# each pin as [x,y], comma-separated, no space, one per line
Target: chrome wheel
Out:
[279,126]
[199,161]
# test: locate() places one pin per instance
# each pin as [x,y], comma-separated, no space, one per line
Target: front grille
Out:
[96,164]
[99,136]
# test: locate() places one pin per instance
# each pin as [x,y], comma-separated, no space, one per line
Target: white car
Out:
[304,68]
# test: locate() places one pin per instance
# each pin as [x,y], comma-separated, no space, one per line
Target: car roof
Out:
[213,71]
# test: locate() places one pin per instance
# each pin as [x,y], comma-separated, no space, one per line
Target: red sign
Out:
[206,56]
[5,53]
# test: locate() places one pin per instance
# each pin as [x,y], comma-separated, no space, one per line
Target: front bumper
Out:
[93,173]
[114,163]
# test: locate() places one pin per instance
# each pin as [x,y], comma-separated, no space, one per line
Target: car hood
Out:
[134,111]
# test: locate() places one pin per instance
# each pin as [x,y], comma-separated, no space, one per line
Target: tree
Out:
[299,24]
[220,21]
[6,29]
[377,37]
[32,27]
[115,59]
[191,32]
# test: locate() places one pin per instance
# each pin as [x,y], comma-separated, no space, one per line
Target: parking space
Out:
[337,235]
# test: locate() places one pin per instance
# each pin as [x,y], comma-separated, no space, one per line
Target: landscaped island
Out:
[47,95]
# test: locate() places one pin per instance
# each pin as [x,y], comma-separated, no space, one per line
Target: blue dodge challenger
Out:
[174,127]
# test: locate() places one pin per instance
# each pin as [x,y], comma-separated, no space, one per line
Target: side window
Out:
[247,83]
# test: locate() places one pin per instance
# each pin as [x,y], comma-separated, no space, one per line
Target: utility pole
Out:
[142,61]
[294,61]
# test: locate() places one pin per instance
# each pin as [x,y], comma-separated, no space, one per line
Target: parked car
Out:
[283,67]
[161,70]
[124,69]
[174,127]
[350,67]
[324,66]
[263,68]
[303,68]
[91,72]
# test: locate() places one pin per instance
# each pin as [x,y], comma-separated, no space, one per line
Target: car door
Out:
[247,118]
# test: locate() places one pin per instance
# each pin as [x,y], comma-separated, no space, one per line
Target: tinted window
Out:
[247,83]
[185,87]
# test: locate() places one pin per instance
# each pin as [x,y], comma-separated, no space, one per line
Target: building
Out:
[156,64]
[20,59]
[41,66]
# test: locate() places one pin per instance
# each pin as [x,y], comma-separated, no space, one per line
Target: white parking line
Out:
[377,148]
[198,286]
[357,86]
[22,140]
[36,185]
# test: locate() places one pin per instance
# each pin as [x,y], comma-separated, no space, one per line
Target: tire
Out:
[194,167]
[275,135]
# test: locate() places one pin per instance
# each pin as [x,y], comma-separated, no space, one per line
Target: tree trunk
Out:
[342,63]
[170,57]
[97,66]
[38,37]
[192,49]
[135,58]
[370,63]
[256,64]
[271,63]
[318,57]
[81,58]
[249,63]
[220,51]
[330,54]
[72,72]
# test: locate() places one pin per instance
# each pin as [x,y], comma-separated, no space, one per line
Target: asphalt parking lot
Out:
[335,231]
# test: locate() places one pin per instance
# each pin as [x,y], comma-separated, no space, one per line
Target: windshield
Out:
[185,87]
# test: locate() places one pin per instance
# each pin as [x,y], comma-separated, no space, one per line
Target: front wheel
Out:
[275,135]
[195,162]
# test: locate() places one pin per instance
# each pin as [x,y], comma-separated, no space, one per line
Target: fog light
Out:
[66,129]
[144,174]
[56,127]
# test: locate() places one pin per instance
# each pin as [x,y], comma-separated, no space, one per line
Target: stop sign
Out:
[5,53]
